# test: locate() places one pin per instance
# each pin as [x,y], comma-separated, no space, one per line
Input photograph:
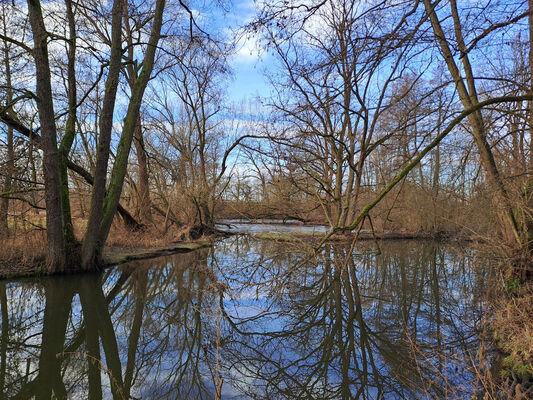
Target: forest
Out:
[124,133]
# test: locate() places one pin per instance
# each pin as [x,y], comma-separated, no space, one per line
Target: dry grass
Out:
[24,251]
[122,238]
[21,253]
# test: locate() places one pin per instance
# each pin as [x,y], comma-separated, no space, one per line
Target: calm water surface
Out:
[270,226]
[252,320]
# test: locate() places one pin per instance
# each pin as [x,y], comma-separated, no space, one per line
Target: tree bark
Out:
[121,160]
[70,130]
[144,202]
[92,240]
[56,257]
[10,160]
[143,183]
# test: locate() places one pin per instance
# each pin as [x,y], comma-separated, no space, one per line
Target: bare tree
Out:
[193,125]
[338,65]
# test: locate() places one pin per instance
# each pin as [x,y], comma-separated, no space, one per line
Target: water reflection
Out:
[248,320]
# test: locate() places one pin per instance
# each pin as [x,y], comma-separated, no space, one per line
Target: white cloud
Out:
[248,49]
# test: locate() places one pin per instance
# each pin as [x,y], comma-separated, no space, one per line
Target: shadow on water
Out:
[249,320]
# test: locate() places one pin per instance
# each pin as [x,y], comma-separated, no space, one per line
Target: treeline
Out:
[388,115]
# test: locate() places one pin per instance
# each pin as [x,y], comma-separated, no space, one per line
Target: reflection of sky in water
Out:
[394,317]
[387,324]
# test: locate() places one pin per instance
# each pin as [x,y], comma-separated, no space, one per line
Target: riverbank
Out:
[24,255]
[292,230]
[119,256]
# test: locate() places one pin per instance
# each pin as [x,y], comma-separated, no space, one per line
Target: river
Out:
[252,319]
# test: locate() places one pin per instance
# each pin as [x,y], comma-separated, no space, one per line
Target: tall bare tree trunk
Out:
[92,251]
[10,159]
[144,202]
[70,131]
[56,257]
[143,183]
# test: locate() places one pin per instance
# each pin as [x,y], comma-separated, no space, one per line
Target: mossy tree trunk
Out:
[103,217]
[92,241]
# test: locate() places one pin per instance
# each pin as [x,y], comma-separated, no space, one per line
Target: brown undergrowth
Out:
[122,238]
[20,253]
[23,253]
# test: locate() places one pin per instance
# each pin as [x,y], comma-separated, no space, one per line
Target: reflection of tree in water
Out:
[136,332]
[369,326]
[397,324]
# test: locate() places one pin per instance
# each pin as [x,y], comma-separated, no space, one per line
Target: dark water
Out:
[251,318]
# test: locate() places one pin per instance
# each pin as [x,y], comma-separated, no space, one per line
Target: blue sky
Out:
[250,62]
[249,80]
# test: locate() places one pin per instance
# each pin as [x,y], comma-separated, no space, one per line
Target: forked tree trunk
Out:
[93,245]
